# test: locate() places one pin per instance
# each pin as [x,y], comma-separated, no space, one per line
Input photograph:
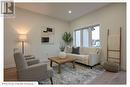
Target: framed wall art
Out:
[47,35]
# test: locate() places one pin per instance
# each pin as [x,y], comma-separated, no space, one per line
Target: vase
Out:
[62,55]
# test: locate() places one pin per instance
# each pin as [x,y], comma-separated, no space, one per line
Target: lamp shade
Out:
[22,37]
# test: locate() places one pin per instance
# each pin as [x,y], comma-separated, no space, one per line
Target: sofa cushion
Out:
[83,57]
[70,55]
[93,50]
[87,51]
[84,51]
[75,50]
[79,58]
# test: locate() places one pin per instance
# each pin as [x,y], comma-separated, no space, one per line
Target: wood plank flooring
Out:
[110,78]
[10,74]
[105,78]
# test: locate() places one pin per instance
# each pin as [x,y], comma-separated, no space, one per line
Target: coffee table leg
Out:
[73,64]
[50,63]
[59,68]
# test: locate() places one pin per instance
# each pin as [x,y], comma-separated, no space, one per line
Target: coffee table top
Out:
[61,60]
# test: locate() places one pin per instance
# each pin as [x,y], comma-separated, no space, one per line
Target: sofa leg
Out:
[51,80]
[91,67]
[40,83]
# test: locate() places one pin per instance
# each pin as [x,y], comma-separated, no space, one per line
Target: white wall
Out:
[31,23]
[109,17]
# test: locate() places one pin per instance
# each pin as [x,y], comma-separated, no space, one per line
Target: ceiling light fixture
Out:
[69,11]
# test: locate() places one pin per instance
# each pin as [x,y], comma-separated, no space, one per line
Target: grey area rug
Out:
[80,75]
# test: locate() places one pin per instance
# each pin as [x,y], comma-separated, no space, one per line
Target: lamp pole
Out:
[23,47]
[22,39]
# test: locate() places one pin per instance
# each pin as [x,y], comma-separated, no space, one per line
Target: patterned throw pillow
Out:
[75,50]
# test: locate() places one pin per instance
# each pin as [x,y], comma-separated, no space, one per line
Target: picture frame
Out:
[47,35]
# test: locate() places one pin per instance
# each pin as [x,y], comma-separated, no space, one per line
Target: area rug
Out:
[80,75]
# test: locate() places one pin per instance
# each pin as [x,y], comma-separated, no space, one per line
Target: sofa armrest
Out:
[99,52]
[34,73]
[32,61]
[93,59]
[28,57]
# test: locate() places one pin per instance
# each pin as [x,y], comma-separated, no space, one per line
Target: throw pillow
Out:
[75,50]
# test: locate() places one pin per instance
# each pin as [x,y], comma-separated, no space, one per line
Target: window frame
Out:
[75,37]
[90,35]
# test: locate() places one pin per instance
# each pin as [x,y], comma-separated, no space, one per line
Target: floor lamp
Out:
[22,39]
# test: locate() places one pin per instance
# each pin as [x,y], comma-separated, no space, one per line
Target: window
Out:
[95,37]
[77,38]
[88,37]
[85,38]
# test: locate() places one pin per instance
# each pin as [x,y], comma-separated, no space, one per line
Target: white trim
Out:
[81,35]
[9,66]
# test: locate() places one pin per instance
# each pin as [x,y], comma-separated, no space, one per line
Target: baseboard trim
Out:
[9,66]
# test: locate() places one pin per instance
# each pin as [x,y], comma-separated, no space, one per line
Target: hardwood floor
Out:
[10,74]
[106,78]
[110,78]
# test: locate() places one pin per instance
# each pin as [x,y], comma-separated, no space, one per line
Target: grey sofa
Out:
[32,72]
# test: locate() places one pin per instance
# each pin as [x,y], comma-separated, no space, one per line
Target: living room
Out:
[33,20]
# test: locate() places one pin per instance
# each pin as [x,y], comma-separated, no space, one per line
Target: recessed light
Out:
[69,11]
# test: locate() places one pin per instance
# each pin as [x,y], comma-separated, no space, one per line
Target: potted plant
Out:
[62,54]
[62,47]
[67,38]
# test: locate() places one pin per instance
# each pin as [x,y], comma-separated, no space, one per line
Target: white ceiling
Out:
[60,10]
